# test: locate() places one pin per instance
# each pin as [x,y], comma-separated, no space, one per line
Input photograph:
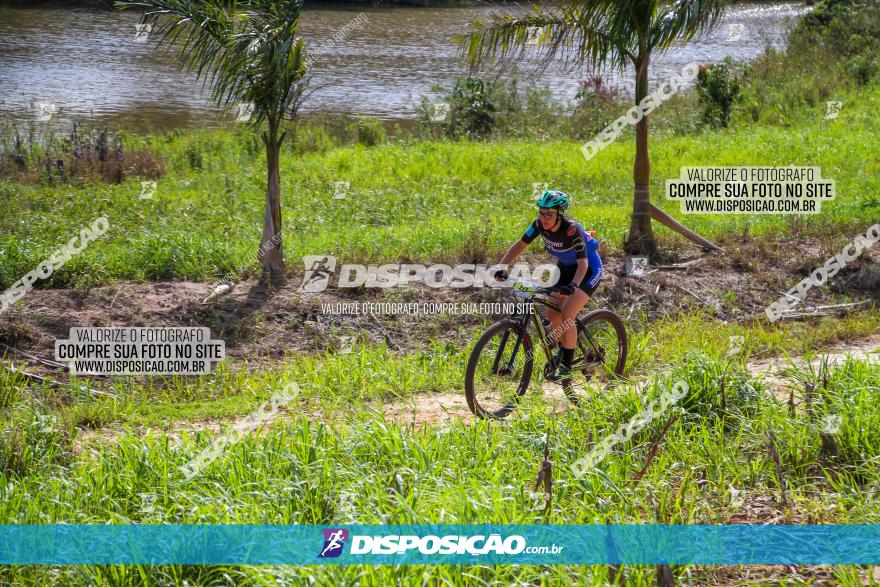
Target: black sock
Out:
[567,356]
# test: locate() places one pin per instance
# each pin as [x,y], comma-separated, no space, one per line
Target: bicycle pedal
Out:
[550,374]
[553,379]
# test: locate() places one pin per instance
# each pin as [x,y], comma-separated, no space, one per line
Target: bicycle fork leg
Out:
[500,353]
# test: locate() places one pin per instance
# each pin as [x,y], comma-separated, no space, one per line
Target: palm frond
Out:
[594,33]
[581,33]
[243,50]
[682,20]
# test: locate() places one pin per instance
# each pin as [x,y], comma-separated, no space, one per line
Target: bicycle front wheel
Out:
[499,370]
[600,357]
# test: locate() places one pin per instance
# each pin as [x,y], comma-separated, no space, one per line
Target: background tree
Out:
[248,52]
[599,34]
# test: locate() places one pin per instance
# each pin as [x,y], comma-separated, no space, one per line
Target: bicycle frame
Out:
[523,320]
[542,332]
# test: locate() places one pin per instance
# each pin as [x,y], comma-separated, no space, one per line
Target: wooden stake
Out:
[670,222]
[774,456]
[652,452]
[664,576]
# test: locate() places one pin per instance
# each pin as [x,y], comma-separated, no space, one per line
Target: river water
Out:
[85,63]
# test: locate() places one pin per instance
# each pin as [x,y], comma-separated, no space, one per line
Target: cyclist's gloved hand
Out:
[502,275]
[566,290]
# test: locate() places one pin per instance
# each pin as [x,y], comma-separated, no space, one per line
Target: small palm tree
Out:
[248,52]
[604,33]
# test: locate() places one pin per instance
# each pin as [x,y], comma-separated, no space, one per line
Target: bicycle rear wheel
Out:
[499,370]
[600,356]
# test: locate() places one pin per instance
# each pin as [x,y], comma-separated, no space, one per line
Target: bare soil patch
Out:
[261,325]
[774,371]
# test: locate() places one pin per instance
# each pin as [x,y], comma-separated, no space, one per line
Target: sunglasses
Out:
[547,214]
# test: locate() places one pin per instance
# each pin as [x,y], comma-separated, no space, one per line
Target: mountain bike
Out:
[499,370]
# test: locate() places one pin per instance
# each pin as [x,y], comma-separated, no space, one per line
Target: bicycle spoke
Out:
[599,358]
[499,370]
[494,386]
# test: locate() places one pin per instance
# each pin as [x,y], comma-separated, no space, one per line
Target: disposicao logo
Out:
[334,541]
[477,545]
[472,545]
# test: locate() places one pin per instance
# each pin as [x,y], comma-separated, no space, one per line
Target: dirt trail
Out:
[440,408]
[443,408]
[772,371]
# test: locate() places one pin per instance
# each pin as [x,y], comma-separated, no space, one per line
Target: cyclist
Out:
[579,265]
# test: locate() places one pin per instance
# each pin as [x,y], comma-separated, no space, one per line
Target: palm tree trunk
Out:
[271,255]
[641,237]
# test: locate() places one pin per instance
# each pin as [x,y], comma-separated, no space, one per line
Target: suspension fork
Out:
[523,326]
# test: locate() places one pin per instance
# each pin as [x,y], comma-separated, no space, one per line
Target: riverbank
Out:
[349,450]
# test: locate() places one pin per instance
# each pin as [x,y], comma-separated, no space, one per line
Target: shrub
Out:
[821,16]
[718,90]
[862,68]
[596,106]
[369,132]
[843,27]
[472,109]
[479,109]
[715,387]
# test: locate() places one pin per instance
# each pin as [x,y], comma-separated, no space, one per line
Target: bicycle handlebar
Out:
[545,290]
[505,276]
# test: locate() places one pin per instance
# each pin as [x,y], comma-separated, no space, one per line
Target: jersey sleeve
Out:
[531,233]
[580,247]
[575,236]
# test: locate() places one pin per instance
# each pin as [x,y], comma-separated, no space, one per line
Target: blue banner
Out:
[439,544]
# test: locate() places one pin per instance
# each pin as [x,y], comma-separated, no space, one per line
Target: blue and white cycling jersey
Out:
[568,243]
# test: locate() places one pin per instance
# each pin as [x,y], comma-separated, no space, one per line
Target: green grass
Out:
[369,469]
[377,375]
[417,201]
[338,456]
[328,382]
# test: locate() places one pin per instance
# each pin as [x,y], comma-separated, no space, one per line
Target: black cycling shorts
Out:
[590,282]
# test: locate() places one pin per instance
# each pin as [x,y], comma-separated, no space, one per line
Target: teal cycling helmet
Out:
[554,199]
